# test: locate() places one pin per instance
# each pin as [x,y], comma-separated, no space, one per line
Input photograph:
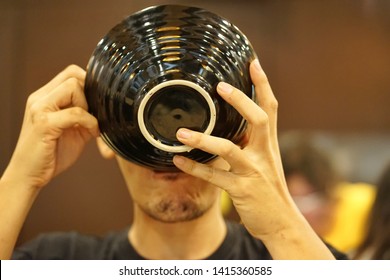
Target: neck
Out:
[195,239]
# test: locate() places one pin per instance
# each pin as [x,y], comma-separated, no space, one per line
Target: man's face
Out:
[169,197]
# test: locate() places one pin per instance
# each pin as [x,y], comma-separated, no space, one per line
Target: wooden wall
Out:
[328,62]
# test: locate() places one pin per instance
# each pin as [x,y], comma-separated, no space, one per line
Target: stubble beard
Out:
[175,210]
[179,204]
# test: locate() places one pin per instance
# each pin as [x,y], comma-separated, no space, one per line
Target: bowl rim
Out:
[176,82]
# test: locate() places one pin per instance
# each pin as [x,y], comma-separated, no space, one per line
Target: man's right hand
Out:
[55,129]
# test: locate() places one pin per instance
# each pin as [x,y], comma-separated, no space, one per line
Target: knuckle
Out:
[73,82]
[260,121]
[191,167]
[227,149]
[35,108]
[245,192]
[93,121]
[209,174]
[39,119]
[73,69]
[31,100]
[273,104]
[43,118]
[198,140]
[77,111]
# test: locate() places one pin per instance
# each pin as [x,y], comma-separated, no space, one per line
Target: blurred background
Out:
[328,63]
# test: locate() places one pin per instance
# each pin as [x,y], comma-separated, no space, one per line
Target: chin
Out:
[170,213]
[178,205]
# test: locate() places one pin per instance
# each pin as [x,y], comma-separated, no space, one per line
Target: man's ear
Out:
[104,150]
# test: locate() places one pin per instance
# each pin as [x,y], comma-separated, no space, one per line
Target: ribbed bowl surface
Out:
[156,45]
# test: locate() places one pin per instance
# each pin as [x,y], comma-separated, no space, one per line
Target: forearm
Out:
[16,199]
[298,242]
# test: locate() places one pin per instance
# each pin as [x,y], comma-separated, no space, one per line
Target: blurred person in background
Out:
[376,244]
[336,209]
[311,180]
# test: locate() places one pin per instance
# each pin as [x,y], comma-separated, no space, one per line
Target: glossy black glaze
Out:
[156,45]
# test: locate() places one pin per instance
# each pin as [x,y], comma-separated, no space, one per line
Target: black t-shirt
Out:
[238,245]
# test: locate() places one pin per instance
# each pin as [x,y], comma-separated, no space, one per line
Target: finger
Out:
[254,115]
[265,96]
[72,71]
[218,177]
[269,104]
[70,93]
[68,118]
[216,146]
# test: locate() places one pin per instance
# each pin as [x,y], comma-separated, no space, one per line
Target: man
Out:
[176,215]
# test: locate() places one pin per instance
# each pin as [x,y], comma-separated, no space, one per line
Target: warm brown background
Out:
[328,62]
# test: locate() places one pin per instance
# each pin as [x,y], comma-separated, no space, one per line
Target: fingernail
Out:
[256,63]
[225,88]
[184,133]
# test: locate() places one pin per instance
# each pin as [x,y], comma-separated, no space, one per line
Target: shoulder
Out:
[240,244]
[67,245]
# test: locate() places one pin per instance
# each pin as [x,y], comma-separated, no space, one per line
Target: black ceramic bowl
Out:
[157,71]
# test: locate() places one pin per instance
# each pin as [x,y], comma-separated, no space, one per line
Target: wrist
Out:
[286,225]
[13,180]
